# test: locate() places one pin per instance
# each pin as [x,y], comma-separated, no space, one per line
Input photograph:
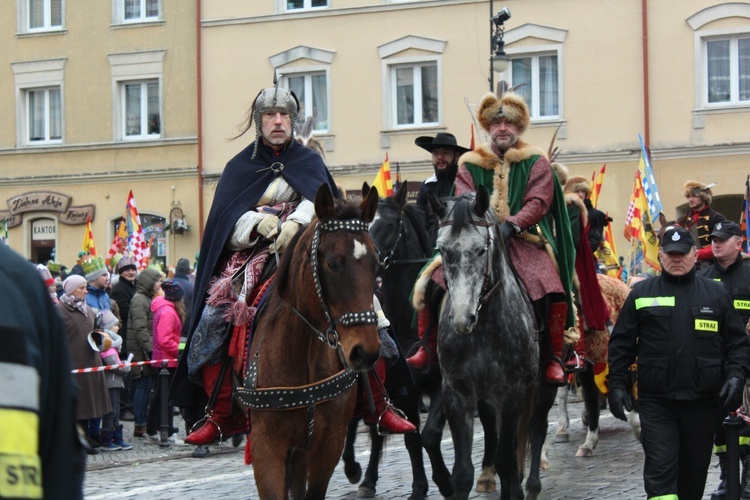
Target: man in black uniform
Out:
[693,355]
[734,273]
[40,450]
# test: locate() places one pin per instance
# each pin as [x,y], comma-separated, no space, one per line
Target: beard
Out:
[448,172]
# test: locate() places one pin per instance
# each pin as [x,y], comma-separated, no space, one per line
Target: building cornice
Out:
[93,146]
[291,16]
[102,177]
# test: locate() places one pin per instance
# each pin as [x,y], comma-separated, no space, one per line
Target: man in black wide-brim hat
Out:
[445,154]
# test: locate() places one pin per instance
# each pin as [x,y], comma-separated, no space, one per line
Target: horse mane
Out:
[418,218]
[462,214]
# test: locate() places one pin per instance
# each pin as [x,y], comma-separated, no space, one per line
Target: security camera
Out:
[501,16]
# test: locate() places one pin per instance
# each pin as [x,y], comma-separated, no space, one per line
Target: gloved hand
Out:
[288,229]
[507,231]
[731,393]
[619,401]
[267,226]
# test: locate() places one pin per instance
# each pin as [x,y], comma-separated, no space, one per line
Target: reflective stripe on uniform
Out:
[741,304]
[20,466]
[20,386]
[654,302]
[664,497]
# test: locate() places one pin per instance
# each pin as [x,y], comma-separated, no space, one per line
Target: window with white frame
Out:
[40,15]
[139,101]
[539,79]
[40,115]
[727,70]
[140,10]
[292,5]
[312,91]
[414,94]
[136,94]
[43,115]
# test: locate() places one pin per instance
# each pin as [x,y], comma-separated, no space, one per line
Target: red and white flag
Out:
[129,240]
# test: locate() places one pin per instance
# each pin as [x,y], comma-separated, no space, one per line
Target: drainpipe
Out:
[646,115]
[199,90]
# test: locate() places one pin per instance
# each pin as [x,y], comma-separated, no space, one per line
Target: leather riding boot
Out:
[721,490]
[218,422]
[384,414]
[426,355]
[554,372]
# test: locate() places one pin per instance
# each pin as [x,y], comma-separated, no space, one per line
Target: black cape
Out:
[241,185]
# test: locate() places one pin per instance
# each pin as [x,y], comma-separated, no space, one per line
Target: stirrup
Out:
[577,366]
[388,405]
[206,419]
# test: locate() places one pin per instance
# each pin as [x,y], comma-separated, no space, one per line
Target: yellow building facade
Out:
[374,75]
[98,99]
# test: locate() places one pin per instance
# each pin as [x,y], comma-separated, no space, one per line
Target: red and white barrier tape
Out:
[121,365]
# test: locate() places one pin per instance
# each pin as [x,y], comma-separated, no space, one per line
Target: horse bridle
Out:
[369,317]
[486,291]
[388,261]
[285,398]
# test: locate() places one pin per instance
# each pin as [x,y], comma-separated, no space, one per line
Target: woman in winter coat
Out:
[92,396]
[140,343]
[169,315]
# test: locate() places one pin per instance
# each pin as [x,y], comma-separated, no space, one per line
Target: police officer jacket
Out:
[736,281]
[684,333]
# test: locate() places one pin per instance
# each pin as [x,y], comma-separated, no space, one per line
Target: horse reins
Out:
[388,260]
[288,398]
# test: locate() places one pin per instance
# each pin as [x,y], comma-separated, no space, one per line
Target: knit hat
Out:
[695,188]
[173,291]
[510,107]
[124,264]
[578,183]
[45,274]
[182,267]
[72,283]
[107,320]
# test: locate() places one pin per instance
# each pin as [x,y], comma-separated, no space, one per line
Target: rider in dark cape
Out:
[262,199]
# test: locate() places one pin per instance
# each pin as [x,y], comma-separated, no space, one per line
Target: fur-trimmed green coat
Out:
[524,191]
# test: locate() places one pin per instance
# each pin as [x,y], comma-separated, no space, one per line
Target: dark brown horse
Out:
[315,333]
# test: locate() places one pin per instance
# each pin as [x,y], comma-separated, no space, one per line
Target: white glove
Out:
[288,229]
[267,226]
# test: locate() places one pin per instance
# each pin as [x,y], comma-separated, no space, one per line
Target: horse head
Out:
[466,242]
[337,296]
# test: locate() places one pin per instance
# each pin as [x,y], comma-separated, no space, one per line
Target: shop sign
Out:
[44,229]
[12,220]
[78,215]
[37,201]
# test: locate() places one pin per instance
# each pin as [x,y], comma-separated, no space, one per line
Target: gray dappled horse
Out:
[487,341]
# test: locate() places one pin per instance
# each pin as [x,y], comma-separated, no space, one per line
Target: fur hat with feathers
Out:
[695,188]
[578,183]
[510,107]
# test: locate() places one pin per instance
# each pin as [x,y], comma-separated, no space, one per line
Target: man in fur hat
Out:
[597,220]
[700,219]
[529,203]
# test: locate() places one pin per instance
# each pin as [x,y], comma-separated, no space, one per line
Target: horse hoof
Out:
[365,492]
[585,452]
[486,486]
[353,473]
[562,437]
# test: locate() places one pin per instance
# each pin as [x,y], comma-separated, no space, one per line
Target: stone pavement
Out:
[615,471]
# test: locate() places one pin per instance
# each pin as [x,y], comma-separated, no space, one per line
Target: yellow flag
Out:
[88,240]
[383,179]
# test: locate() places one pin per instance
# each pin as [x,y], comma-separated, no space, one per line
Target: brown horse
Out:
[316,332]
